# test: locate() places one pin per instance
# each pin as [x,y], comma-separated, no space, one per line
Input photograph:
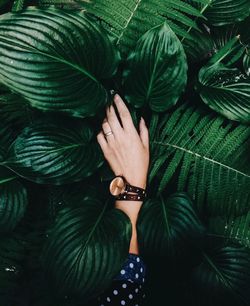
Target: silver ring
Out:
[108,133]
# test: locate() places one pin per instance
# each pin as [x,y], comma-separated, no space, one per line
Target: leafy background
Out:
[184,66]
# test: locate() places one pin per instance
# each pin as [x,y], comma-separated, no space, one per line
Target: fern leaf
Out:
[128,20]
[18,5]
[207,155]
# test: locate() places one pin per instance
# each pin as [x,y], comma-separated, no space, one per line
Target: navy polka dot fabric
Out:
[127,287]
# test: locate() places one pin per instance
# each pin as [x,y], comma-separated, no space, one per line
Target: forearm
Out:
[131,208]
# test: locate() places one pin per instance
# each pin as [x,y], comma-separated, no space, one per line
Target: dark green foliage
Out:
[226,90]
[55,152]
[223,276]
[63,67]
[168,227]
[128,20]
[157,72]
[90,244]
[204,155]
[61,239]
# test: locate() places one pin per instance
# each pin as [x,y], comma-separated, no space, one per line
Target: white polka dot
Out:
[124,285]
[136,305]
[130,296]
[123,302]
[138,259]
[143,280]
[136,275]
[141,270]
[131,265]
[102,305]
[115,292]
[122,272]
[136,290]
[108,299]
[144,296]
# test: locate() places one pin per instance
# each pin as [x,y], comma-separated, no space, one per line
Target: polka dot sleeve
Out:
[127,286]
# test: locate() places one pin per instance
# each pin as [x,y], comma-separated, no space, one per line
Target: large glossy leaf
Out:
[223,276]
[56,153]
[226,90]
[220,12]
[56,59]
[168,227]
[157,70]
[86,248]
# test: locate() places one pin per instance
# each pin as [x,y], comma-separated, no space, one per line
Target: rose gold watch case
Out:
[117,186]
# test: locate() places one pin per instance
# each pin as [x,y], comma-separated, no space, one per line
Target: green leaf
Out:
[223,276]
[222,12]
[225,90]
[200,47]
[86,248]
[157,70]
[127,21]
[228,53]
[13,199]
[56,59]
[17,5]
[246,62]
[233,228]
[15,111]
[168,227]
[55,152]
[204,155]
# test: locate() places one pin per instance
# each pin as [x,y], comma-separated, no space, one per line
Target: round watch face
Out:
[117,186]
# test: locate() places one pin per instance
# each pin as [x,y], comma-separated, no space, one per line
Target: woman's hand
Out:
[126,150]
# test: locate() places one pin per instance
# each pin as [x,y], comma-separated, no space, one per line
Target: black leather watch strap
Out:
[131,197]
[137,190]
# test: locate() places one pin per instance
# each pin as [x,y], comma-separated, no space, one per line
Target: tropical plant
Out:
[183,66]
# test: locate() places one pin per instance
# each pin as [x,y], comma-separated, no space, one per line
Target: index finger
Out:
[124,113]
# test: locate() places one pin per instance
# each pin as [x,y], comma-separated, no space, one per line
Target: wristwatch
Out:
[122,190]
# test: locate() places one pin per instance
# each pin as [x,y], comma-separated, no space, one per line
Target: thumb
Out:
[143,131]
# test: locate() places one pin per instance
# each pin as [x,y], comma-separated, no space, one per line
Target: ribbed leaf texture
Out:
[168,227]
[226,90]
[86,248]
[206,156]
[55,152]
[221,12]
[157,70]
[56,59]
[13,201]
[128,20]
[222,277]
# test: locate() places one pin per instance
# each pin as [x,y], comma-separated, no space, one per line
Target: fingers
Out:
[124,113]
[143,131]
[113,120]
[102,142]
[108,130]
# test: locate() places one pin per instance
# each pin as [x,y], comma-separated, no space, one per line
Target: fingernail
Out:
[116,97]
